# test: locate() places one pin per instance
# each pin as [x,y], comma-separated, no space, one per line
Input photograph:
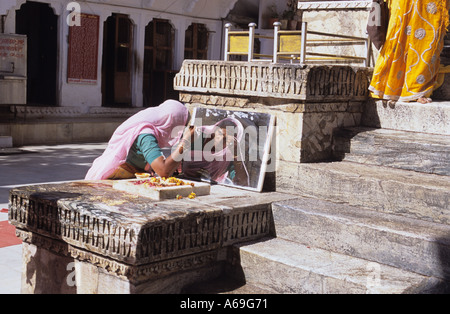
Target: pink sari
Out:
[166,122]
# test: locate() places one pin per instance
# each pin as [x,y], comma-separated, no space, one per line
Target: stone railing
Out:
[284,81]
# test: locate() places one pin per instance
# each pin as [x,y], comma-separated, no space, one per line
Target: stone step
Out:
[6,142]
[288,267]
[396,191]
[431,118]
[410,244]
[415,151]
[226,284]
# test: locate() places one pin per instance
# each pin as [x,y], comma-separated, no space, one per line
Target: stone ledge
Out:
[322,83]
[267,105]
[60,131]
[42,112]
[90,215]
[415,117]
[79,271]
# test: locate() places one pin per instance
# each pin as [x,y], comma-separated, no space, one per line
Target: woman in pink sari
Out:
[136,144]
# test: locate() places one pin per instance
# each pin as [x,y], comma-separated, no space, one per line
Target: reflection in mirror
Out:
[230,148]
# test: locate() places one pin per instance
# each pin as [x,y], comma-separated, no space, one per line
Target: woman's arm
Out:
[165,167]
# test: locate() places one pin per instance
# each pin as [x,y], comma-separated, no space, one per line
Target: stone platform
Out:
[99,240]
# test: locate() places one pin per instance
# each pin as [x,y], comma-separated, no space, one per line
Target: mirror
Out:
[231,148]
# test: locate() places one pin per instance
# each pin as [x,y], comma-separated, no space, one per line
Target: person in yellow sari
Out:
[408,66]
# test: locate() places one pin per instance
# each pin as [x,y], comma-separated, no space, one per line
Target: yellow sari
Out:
[409,62]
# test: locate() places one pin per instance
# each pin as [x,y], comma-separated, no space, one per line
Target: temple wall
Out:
[140,12]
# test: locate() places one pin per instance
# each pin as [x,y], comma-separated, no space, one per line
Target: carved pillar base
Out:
[44,271]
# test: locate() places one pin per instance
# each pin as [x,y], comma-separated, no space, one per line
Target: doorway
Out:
[196,42]
[40,24]
[117,61]
[158,63]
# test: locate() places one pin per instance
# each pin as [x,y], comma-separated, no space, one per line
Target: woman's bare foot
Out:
[424,100]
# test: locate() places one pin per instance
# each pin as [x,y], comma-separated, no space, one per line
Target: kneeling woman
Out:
[136,144]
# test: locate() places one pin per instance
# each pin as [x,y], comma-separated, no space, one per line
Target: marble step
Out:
[284,266]
[396,191]
[227,283]
[410,244]
[420,152]
[433,118]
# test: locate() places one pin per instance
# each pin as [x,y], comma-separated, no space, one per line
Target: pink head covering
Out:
[159,121]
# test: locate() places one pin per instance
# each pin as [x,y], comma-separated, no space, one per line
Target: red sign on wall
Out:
[83,51]
[13,54]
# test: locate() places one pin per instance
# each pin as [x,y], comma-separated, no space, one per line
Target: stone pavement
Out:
[34,165]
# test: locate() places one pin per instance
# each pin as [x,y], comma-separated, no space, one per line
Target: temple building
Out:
[339,193]
[117,53]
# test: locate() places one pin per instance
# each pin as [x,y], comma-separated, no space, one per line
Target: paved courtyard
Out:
[34,165]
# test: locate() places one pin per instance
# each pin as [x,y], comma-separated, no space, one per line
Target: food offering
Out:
[142,175]
[163,188]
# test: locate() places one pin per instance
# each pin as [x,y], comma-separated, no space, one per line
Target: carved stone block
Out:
[135,243]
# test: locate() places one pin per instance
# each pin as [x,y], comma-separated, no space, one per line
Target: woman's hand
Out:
[189,134]
[165,167]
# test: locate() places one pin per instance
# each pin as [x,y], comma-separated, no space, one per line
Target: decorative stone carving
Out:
[334,5]
[262,79]
[134,230]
